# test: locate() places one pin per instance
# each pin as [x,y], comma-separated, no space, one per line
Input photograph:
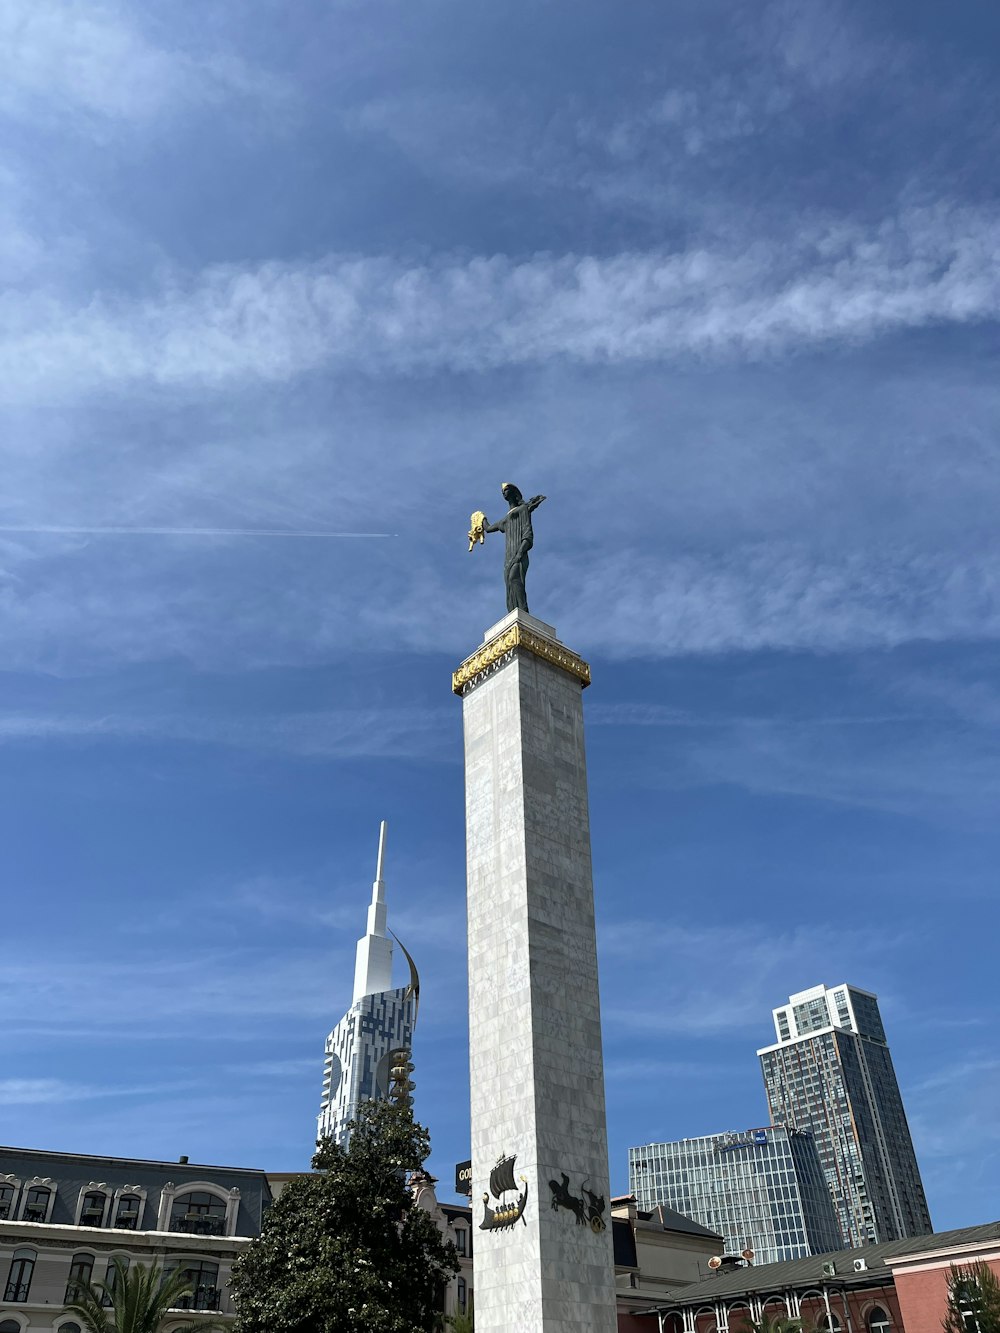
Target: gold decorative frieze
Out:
[517,636]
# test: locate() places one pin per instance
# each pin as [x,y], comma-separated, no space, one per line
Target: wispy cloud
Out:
[841,282]
[41,1091]
[341,733]
[228,988]
[956,1132]
[783,595]
[928,772]
[670,959]
[87,61]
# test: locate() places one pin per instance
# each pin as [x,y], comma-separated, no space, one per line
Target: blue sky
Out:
[723,282]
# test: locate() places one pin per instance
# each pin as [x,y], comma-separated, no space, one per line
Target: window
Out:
[111,1277]
[463,1298]
[22,1265]
[199,1213]
[878,1320]
[36,1204]
[7,1193]
[461,1240]
[10,1326]
[965,1291]
[203,1278]
[92,1208]
[127,1214]
[80,1272]
[69,1328]
[829,1323]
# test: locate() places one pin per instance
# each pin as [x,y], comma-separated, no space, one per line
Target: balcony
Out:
[35,1214]
[202,1298]
[16,1291]
[198,1224]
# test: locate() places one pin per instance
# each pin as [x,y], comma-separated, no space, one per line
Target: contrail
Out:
[187,532]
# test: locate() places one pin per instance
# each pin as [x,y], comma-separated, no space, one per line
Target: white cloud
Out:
[780,595]
[932,773]
[841,282]
[41,1091]
[218,991]
[751,597]
[956,1133]
[89,61]
[692,1000]
[340,733]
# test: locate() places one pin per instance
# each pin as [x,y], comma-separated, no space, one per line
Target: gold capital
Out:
[517,636]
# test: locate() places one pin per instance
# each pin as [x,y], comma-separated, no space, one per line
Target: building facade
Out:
[64,1219]
[922,1275]
[656,1250]
[761,1190]
[896,1287]
[830,1072]
[454,1221]
[381,1020]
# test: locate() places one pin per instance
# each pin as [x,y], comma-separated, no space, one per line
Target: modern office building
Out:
[761,1190]
[830,1072]
[380,1020]
[65,1218]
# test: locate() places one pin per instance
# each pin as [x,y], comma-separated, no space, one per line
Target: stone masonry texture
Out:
[534,1010]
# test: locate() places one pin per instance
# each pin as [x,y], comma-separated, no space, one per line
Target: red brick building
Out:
[921,1277]
[896,1287]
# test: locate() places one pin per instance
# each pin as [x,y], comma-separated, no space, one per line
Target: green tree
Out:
[347,1250]
[461,1323]
[773,1323]
[973,1300]
[140,1297]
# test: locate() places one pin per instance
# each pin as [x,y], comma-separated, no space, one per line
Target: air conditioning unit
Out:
[829,1269]
[859,1265]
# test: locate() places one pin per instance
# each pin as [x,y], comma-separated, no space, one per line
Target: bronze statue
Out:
[516,527]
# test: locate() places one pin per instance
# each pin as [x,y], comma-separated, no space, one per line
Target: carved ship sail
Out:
[502,1182]
[502,1177]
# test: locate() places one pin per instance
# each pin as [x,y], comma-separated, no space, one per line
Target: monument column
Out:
[540,1186]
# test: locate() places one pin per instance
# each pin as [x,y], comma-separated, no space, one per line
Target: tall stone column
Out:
[545,1260]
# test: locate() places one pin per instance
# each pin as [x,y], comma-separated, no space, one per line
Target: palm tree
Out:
[136,1300]
[777,1323]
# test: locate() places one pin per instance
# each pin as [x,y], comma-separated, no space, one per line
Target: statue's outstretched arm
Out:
[534,502]
[493,527]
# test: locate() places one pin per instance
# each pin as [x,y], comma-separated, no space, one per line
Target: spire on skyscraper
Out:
[375,1033]
[373,964]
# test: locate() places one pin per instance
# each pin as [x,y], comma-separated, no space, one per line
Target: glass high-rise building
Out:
[380,1022]
[830,1072]
[761,1190]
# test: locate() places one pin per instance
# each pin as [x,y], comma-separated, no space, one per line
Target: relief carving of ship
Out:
[502,1183]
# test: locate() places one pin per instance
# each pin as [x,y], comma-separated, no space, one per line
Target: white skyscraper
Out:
[380,1020]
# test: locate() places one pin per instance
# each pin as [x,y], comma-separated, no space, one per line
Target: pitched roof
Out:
[798,1273]
[671,1220]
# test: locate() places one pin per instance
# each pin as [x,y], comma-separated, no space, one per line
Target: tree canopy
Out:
[347,1250]
[770,1323]
[973,1300]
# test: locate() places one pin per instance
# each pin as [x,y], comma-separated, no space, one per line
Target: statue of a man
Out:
[516,527]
